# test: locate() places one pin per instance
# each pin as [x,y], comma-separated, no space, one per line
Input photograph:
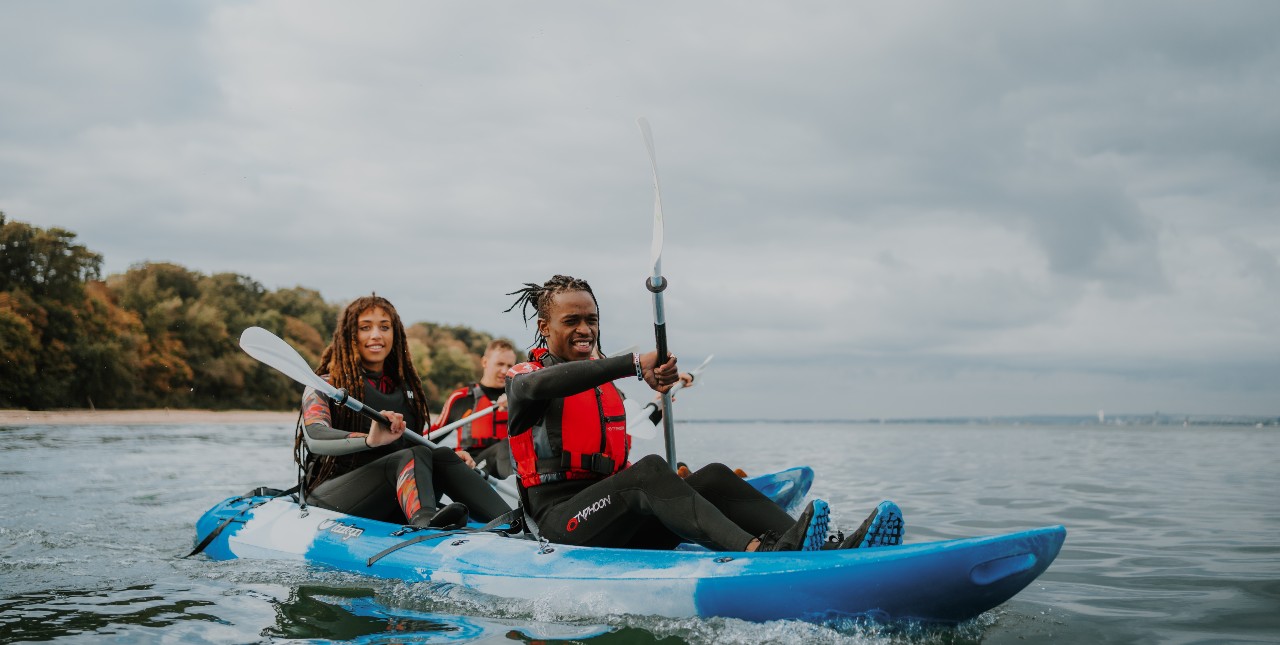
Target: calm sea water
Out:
[1173,536]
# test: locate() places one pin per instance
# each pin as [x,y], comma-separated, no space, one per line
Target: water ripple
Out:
[1171,537]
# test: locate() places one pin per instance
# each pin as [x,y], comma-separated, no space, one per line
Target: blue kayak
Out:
[947,581]
[786,488]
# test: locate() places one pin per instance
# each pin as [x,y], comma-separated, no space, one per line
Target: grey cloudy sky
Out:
[873,209]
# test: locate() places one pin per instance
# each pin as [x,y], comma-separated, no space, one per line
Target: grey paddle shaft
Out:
[442,432]
[341,397]
[656,285]
[649,407]
[370,413]
[272,350]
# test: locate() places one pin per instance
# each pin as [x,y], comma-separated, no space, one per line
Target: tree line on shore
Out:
[161,335]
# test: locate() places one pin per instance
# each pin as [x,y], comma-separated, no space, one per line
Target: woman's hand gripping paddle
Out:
[272,350]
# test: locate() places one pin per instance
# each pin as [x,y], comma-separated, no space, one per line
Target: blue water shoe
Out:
[882,528]
[807,534]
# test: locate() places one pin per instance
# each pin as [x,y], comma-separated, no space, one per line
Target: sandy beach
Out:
[143,417]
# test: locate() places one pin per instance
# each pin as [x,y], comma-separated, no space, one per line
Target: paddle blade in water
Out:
[271,350]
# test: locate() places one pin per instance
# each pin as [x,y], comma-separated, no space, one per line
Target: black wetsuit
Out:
[383,483]
[646,505]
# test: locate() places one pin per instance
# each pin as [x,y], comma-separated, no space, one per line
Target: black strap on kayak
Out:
[257,492]
[301,456]
[421,538]
[514,519]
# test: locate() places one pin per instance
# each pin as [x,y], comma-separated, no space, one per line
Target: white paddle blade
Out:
[271,350]
[655,248]
[638,424]
[697,371]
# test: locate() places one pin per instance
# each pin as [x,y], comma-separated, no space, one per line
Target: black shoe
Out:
[833,541]
[807,534]
[768,542]
[453,516]
[883,527]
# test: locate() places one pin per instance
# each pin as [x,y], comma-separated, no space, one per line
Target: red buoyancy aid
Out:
[483,432]
[583,436]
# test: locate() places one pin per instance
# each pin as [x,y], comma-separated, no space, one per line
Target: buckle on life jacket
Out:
[596,463]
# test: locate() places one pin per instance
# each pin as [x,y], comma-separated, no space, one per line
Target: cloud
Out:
[936,203]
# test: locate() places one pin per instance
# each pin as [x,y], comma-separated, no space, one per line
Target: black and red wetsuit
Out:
[579,489]
[391,483]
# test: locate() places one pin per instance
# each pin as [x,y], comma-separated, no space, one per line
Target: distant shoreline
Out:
[175,416]
[144,417]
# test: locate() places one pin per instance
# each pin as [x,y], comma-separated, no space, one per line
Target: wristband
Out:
[635,356]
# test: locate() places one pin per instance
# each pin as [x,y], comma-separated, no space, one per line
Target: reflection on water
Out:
[306,612]
[319,612]
[47,615]
[1171,537]
[352,614]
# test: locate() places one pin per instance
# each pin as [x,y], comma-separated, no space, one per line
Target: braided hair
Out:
[539,297]
[341,363]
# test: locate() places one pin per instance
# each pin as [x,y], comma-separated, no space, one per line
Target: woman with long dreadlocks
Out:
[567,429]
[369,469]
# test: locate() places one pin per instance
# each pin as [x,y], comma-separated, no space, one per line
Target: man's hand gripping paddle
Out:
[656,285]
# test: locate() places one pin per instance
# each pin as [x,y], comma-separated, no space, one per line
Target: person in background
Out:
[483,440]
[364,468]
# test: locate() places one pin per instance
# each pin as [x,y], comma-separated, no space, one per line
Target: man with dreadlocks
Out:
[372,470]
[567,429]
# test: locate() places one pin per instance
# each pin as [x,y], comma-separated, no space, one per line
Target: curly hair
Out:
[539,297]
[341,363]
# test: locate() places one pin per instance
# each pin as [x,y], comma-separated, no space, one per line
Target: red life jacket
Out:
[583,436]
[482,432]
